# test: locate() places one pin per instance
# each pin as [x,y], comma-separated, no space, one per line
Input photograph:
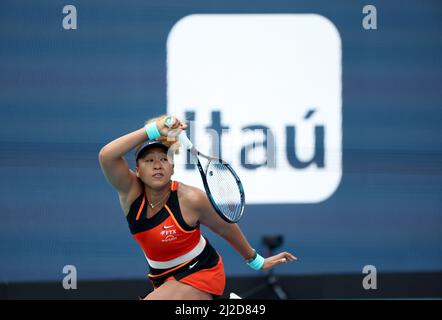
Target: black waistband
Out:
[207,259]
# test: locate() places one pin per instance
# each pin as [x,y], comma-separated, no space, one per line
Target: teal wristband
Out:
[152,131]
[256,263]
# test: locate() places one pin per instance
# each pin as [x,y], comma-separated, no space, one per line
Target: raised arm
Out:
[111,156]
[113,164]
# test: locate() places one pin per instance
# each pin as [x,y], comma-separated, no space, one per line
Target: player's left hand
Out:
[273,261]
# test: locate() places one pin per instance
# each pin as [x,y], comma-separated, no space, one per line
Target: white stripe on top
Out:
[178,260]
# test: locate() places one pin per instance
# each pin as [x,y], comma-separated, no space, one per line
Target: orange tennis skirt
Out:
[205,272]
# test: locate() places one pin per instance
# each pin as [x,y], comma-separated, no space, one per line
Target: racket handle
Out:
[184,140]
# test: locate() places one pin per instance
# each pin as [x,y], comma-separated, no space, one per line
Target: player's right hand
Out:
[170,125]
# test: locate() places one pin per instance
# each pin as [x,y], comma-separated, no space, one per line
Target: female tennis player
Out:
[164,217]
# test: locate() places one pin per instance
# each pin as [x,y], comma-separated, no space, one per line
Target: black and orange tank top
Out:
[165,238]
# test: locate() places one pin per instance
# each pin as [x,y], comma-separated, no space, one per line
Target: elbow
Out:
[103,155]
[222,232]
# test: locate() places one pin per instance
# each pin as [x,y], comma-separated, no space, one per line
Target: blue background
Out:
[64,94]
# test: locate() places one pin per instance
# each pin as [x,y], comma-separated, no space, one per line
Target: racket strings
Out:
[224,189]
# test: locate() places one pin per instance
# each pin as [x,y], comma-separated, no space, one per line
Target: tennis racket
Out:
[222,184]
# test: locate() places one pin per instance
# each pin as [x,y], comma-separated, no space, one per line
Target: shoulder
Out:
[187,192]
[191,196]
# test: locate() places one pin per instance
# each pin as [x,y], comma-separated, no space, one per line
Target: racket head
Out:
[224,189]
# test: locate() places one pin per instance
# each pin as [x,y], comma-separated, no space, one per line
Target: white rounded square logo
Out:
[264,92]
